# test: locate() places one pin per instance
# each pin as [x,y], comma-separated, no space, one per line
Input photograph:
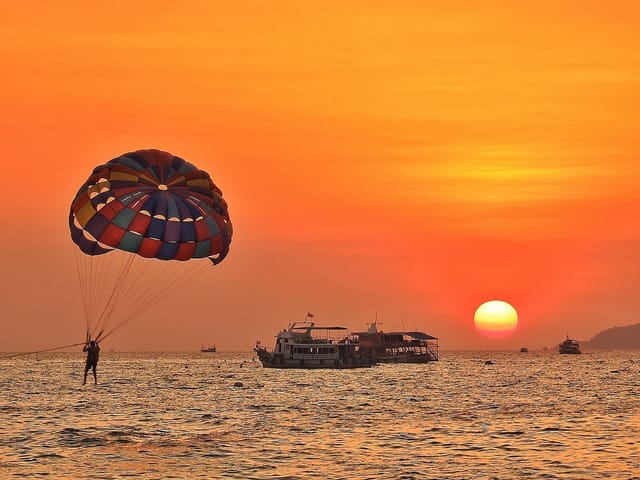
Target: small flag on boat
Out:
[309,314]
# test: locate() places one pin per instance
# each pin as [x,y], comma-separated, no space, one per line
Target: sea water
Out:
[222,416]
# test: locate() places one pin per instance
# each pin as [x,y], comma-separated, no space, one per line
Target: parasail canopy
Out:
[153,204]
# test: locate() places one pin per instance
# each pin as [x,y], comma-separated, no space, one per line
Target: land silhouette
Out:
[626,337]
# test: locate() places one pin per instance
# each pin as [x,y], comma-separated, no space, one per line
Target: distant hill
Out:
[617,337]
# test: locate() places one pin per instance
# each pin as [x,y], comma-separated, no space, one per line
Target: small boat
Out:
[304,345]
[209,349]
[397,347]
[569,346]
[524,350]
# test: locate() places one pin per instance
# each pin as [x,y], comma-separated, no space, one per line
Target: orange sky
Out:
[378,158]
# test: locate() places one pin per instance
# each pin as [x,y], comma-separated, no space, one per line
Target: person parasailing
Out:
[93,355]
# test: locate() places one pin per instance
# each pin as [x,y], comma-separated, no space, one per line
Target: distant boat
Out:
[209,349]
[569,346]
[524,350]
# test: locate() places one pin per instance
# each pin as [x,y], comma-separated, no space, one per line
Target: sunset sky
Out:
[405,160]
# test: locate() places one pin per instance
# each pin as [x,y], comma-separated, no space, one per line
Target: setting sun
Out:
[496,319]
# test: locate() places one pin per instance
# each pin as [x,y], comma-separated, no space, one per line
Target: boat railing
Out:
[433,351]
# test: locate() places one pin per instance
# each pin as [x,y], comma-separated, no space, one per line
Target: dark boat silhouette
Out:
[569,346]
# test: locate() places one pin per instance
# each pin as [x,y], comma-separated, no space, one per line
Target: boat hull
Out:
[313,366]
[424,358]
[270,360]
[570,351]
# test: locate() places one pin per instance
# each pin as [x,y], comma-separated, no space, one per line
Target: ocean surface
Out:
[185,415]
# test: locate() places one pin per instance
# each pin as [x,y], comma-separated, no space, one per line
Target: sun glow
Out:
[496,319]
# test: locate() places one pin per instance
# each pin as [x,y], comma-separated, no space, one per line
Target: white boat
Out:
[569,346]
[303,345]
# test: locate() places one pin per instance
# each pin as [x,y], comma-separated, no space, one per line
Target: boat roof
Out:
[319,328]
[416,335]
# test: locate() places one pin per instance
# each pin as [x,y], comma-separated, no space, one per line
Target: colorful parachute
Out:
[154,204]
[143,209]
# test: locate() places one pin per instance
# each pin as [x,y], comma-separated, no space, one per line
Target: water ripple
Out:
[179,416]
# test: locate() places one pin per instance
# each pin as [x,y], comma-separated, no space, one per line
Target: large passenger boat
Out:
[304,345]
[397,347]
[569,346]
